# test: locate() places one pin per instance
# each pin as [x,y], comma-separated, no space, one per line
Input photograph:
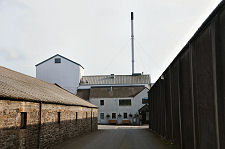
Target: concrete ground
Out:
[116,137]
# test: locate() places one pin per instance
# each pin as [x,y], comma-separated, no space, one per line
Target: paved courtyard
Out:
[116,137]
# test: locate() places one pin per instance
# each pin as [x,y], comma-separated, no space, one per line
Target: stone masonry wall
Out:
[69,126]
[51,132]
[10,117]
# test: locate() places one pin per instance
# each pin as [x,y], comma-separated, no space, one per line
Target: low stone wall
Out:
[50,132]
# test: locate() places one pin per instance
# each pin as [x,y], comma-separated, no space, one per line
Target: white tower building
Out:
[62,71]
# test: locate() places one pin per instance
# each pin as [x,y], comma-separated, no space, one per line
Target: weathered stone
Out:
[51,132]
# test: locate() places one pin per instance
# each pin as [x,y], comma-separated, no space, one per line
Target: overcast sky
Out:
[96,33]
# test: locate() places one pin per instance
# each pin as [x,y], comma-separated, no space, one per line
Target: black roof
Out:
[61,57]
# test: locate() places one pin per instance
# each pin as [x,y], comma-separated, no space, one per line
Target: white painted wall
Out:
[66,74]
[111,105]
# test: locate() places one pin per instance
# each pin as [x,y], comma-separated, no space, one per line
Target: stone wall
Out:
[51,132]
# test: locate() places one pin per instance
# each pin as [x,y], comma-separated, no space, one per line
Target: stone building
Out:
[37,114]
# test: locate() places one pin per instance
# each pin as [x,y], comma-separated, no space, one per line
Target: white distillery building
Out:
[61,71]
[119,105]
[122,94]
[119,97]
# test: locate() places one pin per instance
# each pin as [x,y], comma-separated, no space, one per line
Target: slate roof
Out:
[117,79]
[17,86]
[83,93]
[61,57]
[115,91]
[145,108]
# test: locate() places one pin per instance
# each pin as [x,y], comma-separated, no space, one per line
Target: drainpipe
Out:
[39,126]
[91,119]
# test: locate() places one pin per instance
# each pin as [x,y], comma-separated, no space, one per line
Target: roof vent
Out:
[112,76]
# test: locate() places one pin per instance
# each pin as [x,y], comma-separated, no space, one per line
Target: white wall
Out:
[111,105]
[66,74]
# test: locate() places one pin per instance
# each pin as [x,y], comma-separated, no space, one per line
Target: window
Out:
[125,102]
[57,60]
[23,124]
[113,115]
[76,116]
[145,100]
[86,115]
[124,115]
[59,117]
[102,102]
[101,115]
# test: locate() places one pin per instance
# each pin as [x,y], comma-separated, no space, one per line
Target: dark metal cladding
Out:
[187,102]
[168,108]
[204,90]
[220,73]
[162,105]
[175,97]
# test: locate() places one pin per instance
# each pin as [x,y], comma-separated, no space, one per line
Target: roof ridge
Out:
[115,75]
[138,86]
[61,57]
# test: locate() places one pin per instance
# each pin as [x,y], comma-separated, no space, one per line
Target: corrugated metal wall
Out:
[187,102]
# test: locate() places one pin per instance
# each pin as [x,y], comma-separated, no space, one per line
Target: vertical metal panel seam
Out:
[192,92]
[181,138]
[171,105]
[213,31]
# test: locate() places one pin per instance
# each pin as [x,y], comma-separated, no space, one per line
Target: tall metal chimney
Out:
[132,40]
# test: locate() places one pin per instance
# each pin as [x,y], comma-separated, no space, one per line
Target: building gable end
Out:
[61,57]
